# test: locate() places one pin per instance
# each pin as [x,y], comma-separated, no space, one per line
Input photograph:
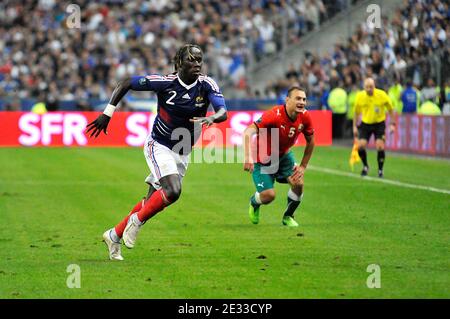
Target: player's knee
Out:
[173,192]
[362,144]
[171,185]
[298,184]
[267,196]
[380,146]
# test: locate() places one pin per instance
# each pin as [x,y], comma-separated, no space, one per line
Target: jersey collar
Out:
[287,115]
[187,87]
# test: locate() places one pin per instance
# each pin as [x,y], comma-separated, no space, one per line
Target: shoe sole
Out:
[284,224]
[129,246]
[290,225]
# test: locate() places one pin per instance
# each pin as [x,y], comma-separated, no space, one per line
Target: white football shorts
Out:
[162,161]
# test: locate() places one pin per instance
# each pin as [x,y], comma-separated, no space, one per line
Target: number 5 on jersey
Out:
[291,132]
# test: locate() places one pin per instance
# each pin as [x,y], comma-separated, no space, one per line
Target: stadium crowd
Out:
[399,56]
[42,57]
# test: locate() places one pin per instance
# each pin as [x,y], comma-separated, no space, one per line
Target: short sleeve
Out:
[215,96]
[388,102]
[266,120]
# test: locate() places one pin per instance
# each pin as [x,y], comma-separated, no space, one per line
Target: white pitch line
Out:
[380,180]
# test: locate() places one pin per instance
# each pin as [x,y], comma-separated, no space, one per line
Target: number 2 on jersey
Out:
[169,100]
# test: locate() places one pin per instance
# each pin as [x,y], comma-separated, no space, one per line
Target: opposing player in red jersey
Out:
[288,121]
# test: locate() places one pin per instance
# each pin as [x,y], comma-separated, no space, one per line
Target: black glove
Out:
[98,125]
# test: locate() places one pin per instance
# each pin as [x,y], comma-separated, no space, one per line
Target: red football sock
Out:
[120,227]
[153,205]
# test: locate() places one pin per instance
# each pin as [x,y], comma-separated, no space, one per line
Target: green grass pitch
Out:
[55,203]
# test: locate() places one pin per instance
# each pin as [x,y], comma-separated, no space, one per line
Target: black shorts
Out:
[365,131]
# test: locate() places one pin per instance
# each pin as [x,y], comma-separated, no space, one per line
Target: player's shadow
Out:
[99,260]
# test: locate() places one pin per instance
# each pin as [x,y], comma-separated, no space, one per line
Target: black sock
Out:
[363,155]
[380,157]
[291,207]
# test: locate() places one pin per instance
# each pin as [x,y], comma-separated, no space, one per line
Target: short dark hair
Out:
[178,59]
[295,87]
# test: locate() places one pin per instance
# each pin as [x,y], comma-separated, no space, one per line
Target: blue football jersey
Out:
[409,100]
[178,103]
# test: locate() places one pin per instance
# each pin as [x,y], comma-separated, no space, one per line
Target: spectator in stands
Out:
[430,92]
[292,72]
[410,98]
[118,38]
[416,31]
[40,106]
[12,104]
[395,94]
[38,52]
[337,101]
[429,108]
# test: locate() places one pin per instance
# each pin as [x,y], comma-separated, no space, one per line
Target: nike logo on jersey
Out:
[186,96]
[282,126]
[278,113]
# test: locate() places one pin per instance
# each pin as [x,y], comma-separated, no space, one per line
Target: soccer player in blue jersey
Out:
[183,100]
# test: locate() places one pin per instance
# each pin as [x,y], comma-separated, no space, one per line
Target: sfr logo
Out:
[45,128]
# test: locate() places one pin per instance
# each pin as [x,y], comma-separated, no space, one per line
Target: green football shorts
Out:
[265,181]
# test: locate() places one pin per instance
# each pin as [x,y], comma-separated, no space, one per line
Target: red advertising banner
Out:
[428,135]
[127,129]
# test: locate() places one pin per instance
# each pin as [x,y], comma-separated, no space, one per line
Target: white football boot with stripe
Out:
[131,231]
[113,247]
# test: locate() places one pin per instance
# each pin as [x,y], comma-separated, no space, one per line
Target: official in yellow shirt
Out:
[372,104]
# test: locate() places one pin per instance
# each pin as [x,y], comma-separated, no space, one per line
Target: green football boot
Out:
[253,213]
[289,221]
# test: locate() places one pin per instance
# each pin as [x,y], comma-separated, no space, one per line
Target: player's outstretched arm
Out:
[219,116]
[308,150]
[356,114]
[390,108]
[100,124]
[392,124]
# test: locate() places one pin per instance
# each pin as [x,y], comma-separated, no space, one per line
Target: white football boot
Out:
[113,247]
[130,233]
